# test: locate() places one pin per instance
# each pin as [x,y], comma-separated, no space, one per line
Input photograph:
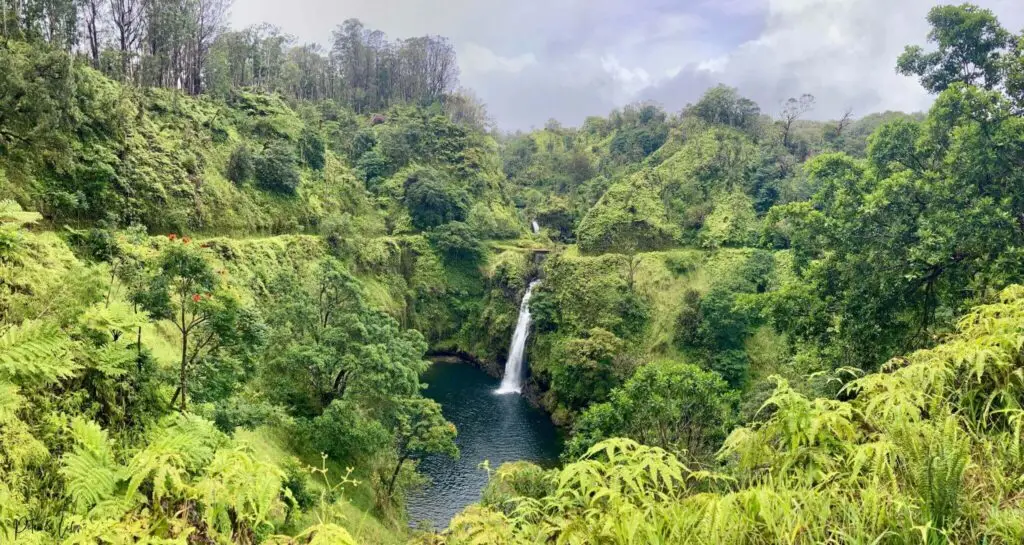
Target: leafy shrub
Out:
[689,320]
[432,200]
[374,167]
[732,222]
[276,170]
[240,167]
[634,311]
[588,368]
[731,365]
[363,142]
[311,146]
[679,263]
[494,221]
[673,405]
[516,479]
[457,241]
[345,433]
[544,311]
[629,217]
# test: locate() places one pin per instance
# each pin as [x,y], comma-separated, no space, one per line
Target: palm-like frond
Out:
[35,352]
[90,472]
[181,446]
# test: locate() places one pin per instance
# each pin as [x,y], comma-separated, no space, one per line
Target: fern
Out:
[103,322]
[10,401]
[324,534]
[183,445]
[934,460]
[36,353]
[239,490]
[90,472]
[11,213]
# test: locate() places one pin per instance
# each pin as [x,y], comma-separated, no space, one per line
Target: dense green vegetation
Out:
[224,259]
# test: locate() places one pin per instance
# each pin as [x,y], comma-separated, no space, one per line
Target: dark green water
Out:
[497,428]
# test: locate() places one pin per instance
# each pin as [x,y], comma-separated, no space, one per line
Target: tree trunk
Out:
[394,475]
[182,377]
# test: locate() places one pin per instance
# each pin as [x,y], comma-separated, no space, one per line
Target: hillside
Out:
[226,262]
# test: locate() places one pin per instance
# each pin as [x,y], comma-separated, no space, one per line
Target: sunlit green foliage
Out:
[698,270]
[925,452]
[628,218]
[675,406]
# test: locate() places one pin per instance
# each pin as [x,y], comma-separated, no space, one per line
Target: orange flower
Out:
[172,236]
[196,298]
[186,240]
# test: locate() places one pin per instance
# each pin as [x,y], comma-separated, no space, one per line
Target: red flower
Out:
[196,298]
[172,236]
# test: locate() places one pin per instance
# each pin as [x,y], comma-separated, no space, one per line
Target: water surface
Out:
[498,428]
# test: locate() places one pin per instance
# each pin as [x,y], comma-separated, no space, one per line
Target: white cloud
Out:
[629,80]
[535,59]
[476,58]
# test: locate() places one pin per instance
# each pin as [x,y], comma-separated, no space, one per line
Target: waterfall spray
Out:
[512,383]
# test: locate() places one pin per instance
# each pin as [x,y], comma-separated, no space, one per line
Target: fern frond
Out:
[239,489]
[182,446]
[111,359]
[10,401]
[104,320]
[326,534]
[91,473]
[12,213]
[35,352]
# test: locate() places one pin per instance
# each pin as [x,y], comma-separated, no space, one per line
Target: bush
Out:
[689,320]
[587,369]
[732,365]
[516,479]
[457,241]
[363,142]
[240,165]
[432,200]
[276,170]
[635,312]
[311,146]
[374,167]
[672,405]
[732,222]
[544,311]
[344,433]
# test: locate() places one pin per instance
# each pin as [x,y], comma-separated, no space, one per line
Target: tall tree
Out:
[792,110]
[92,26]
[126,16]
[210,17]
[970,44]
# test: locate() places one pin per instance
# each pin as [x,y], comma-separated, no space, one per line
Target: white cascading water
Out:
[536,227]
[512,383]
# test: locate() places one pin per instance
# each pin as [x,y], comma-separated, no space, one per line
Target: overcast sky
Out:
[531,60]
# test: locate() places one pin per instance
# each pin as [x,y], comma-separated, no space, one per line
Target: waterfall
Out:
[536,227]
[512,383]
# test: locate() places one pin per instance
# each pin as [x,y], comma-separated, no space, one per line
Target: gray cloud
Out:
[842,51]
[531,60]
